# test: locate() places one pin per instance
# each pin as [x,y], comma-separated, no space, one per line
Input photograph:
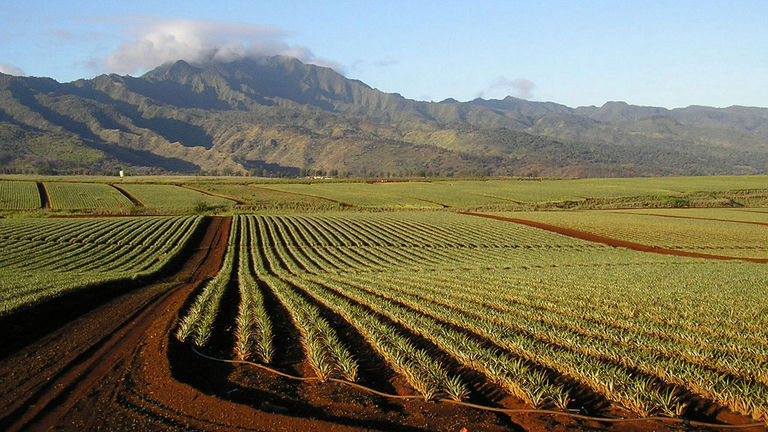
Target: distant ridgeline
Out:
[276,116]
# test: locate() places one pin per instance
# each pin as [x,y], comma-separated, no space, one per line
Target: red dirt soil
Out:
[583,235]
[132,198]
[119,367]
[45,202]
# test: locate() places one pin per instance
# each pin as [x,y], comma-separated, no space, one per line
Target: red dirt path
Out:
[113,369]
[583,235]
[45,201]
[130,197]
[89,387]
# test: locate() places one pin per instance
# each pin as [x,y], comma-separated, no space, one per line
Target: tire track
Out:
[56,388]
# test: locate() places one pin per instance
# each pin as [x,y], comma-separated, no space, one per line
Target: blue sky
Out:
[661,53]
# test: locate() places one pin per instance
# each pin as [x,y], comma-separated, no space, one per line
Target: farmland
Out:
[44,259]
[19,195]
[171,196]
[408,306]
[554,305]
[258,194]
[725,232]
[66,196]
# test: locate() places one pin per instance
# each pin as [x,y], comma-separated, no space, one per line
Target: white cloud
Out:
[11,69]
[520,87]
[157,41]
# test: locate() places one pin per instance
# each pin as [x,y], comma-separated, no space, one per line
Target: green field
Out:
[448,301]
[265,197]
[41,259]
[463,194]
[693,230]
[171,196]
[83,196]
[642,330]
[19,195]
[94,194]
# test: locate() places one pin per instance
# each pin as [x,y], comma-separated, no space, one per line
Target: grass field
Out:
[19,195]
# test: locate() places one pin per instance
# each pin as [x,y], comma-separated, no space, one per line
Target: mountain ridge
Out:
[277,115]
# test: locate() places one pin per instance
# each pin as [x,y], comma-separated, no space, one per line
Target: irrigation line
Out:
[487,408]
[260,366]
[307,379]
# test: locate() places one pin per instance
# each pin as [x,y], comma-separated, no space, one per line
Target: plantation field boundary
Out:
[24,325]
[484,407]
[125,193]
[428,201]
[209,193]
[85,373]
[45,201]
[583,235]
[341,203]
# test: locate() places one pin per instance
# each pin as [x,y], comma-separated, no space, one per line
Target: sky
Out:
[659,53]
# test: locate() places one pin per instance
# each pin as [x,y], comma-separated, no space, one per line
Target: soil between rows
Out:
[117,367]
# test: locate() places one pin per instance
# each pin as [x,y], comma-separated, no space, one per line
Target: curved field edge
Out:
[20,326]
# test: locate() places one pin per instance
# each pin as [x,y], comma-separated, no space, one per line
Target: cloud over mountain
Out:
[155,41]
[11,69]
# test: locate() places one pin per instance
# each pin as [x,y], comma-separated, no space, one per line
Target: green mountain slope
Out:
[277,115]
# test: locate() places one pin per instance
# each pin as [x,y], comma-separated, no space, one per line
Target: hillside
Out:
[276,115]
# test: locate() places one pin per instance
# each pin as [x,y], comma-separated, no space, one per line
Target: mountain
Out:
[276,115]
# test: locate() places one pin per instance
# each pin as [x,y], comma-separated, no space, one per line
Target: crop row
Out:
[37,267]
[607,362]
[254,328]
[198,323]
[19,195]
[565,342]
[708,236]
[647,333]
[424,374]
[85,196]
